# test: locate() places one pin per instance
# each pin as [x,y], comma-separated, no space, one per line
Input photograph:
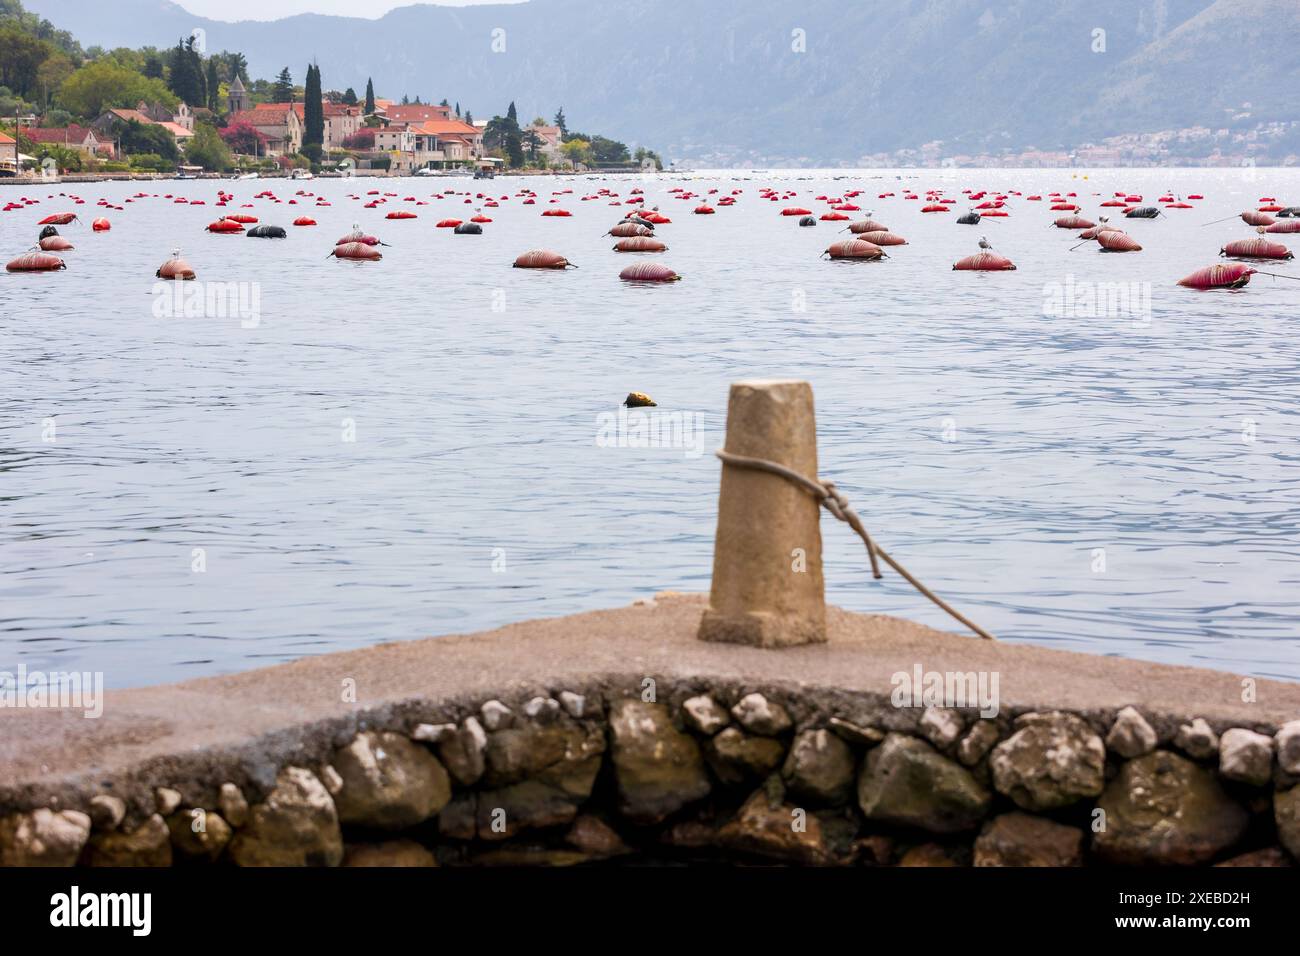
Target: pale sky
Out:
[276,9]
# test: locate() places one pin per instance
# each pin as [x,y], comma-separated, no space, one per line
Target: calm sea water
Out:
[1117,484]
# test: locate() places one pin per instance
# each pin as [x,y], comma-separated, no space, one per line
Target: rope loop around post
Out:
[834,501]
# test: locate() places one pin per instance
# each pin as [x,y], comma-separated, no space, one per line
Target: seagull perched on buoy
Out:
[985,244]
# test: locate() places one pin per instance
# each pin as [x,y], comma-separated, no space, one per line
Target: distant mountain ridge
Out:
[726,80]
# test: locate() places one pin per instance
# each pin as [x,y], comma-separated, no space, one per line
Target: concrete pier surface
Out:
[236,726]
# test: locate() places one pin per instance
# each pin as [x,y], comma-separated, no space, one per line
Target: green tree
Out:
[213,84]
[153,66]
[532,142]
[207,150]
[185,76]
[350,97]
[21,56]
[578,150]
[370,97]
[282,92]
[512,137]
[52,74]
[313,114]
[234,66]
[561,122]
[140,137]
[13,14]
[104,85]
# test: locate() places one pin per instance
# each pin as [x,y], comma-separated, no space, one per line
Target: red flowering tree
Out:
[361,139]
[243,137]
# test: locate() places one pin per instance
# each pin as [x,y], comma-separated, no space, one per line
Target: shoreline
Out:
[620,735]
[271,713]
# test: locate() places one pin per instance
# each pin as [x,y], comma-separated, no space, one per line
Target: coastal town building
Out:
[180,123]
[552,142]
[279,125]
[237,98]
[341,120]
[8,153]
[83,138]
[422,143]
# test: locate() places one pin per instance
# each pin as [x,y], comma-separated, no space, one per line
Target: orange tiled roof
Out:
[445,127]
[129,115]
[260,117]
[67,134]
[413,114]
[298,108]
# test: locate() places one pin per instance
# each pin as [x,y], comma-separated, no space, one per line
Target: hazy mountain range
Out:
[725,79]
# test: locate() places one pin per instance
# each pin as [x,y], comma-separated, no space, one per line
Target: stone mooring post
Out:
[767,559]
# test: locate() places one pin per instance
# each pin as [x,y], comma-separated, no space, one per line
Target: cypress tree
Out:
[370,97]
[214,84]
[313,114]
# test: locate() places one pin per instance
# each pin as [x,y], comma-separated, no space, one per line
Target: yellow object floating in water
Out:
[638,400]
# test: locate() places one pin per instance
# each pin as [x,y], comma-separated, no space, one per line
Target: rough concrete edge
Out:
[253,764]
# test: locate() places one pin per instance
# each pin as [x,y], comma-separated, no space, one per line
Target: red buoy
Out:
[36,262]
[704,210]
[357,250]
[1257,248]
[1219,276]
[934,207]
[101,225]
[175,268]
[884,238]
[867,225]
[648,272]
[58,219]
[304,221]
[796,211]
[984,262]
[556,212]
[243,218]
[448,223]
[542,259]
[1252,218]
[1073,222]
[854,249]
[626,229]
[640,244]
[1281,226]
[1112,240]
[225,226]
[402,214]
[55,244]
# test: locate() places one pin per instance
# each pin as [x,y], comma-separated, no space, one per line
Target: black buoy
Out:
[47,232]
[1143,212]
[266,232]
[808,221]
[969,219]
[469,229]
[1290,212]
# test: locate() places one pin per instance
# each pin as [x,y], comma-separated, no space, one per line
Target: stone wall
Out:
[692,770]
